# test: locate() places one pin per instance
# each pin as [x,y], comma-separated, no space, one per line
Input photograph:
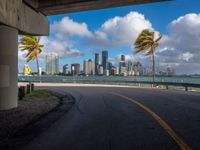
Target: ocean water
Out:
[63,79]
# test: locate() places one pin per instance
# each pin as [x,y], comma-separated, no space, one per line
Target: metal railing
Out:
[122,82]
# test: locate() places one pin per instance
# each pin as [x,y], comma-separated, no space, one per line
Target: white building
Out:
[100,70]
[40,71]
[117,70]
[52,63]
[89,67]
[123,71]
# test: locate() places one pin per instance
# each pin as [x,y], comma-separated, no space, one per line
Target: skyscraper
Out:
[75,69]
[129,66]
[122,64]
[52,63]
[89,67]
[66,69]
[122,57]
[105,60]
[109,67]
[96,63]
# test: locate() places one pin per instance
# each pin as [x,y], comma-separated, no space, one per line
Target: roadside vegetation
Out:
[39,93]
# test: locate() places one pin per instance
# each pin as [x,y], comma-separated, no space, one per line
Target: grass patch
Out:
[40,93]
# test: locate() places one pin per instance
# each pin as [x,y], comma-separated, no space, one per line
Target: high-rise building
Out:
[105,60]
[113,71]
[123,71]
[122,64]
[117,70]
[66,69]
[109,67]
[96,63]
[122,57]
[171,71]
[75,69]
[89,67]
[100,70]
[52,63]
[129,66]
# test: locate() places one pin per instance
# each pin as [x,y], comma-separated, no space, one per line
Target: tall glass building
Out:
[52,63]
[105,60]
[96,63]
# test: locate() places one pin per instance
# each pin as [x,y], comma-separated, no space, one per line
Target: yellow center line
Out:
[162,123]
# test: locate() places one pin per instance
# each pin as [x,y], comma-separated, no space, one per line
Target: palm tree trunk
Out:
[153,69]
[38,71]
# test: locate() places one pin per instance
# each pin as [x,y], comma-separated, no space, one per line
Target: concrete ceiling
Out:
[53,7]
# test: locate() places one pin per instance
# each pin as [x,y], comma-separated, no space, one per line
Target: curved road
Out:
[106,118]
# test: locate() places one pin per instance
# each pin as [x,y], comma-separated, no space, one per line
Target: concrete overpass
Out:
[30,17]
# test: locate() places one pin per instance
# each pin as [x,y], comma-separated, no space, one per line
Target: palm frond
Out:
[28,40]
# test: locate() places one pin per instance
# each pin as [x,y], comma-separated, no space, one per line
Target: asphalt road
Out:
[110,119]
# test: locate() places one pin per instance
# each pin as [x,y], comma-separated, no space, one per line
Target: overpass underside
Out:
[30,17]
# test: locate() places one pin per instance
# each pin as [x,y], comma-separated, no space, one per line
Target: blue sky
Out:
[76,46]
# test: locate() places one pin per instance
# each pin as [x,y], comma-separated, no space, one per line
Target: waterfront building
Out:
[107,73]
[66,69]
[109,67]
[89,67]
[122,65]
[75,69]
[40,71]
[122,57]
[123,71]
[113,71]
[52,63]
[171,71]
[100,70]
[117,70]
[105,60]
[130,66]
[96,63]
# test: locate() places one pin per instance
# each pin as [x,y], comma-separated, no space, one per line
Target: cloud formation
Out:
[68,27]
[119,31]
[62,48]
[182,44]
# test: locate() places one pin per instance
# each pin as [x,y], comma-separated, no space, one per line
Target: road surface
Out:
[106,118]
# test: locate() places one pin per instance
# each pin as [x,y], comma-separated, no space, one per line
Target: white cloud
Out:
[184,33]
[120,31]
[60,47]
[182,44]
[186,56]
[67,27]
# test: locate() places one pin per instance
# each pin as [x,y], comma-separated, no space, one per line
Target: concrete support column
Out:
[8,67]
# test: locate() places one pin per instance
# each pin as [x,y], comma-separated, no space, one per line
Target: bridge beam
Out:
[18,15]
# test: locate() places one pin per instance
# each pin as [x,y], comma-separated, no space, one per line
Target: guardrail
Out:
[153,84]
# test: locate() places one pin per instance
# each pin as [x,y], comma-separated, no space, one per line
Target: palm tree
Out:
[32,45]
[147,43]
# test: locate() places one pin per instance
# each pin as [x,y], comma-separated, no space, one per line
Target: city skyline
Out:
[115,30]
[101,66]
